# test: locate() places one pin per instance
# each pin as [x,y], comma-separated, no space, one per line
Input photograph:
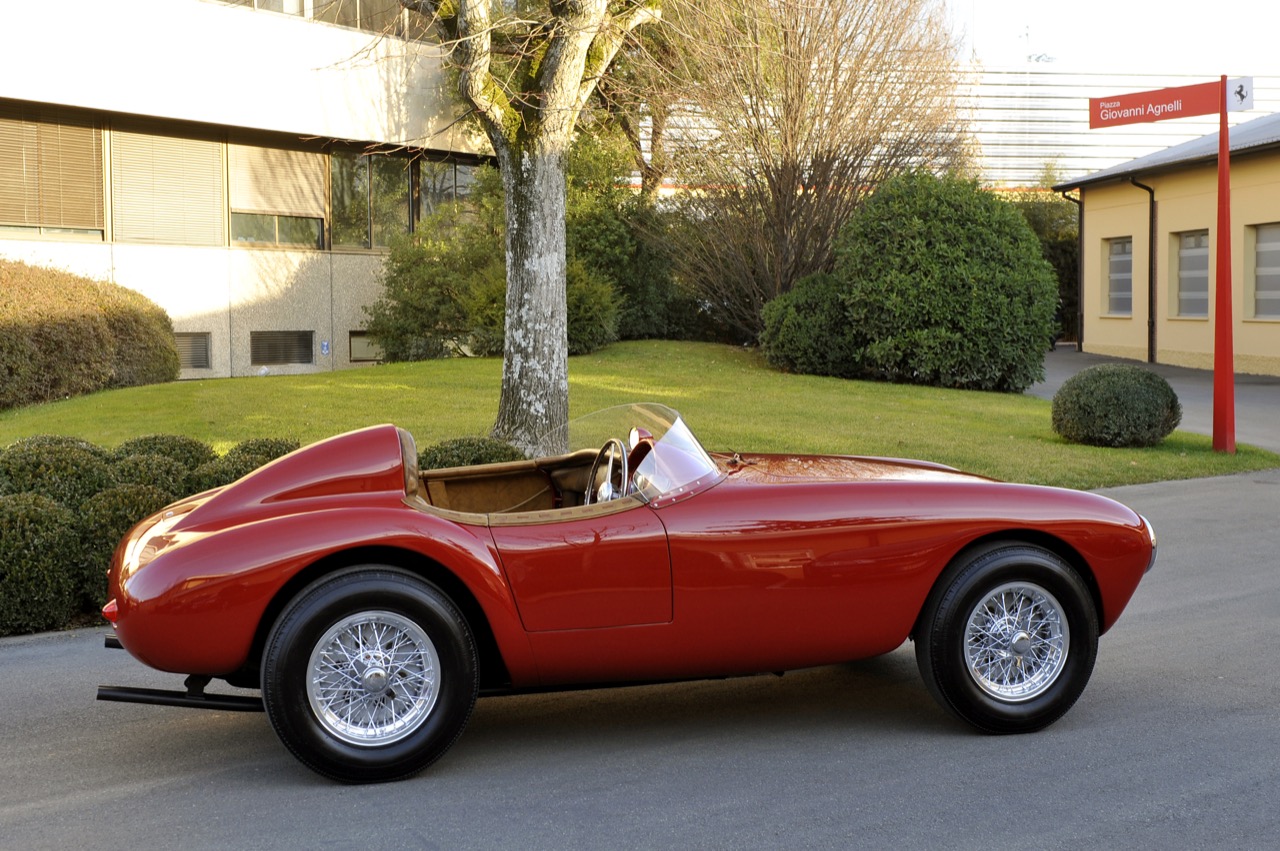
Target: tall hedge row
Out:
[62,335]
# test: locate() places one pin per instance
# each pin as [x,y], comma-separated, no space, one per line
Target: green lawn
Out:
[728,395]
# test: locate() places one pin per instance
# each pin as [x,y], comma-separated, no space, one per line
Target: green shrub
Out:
[466,451]
[142,333]
[268,448]
[59,441]
[1116,405]
[592,310]
[65,474]
[39,549]
[223,471]
[189,451]
[804,329]
[161,471]
[444,288]
[939,283]
[104,520]
[62,335]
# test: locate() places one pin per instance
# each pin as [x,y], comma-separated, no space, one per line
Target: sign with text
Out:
[1163,104]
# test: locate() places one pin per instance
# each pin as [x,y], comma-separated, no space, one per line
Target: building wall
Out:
[1186,200]
[229,293]
[209,62]
[228,76]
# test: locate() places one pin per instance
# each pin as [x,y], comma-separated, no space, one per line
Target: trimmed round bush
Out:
[1116,405]
[191,452]
[466,451]
[39,551]
[223,471]
[269,448]
[66,474]
[804,328]
[59,441]
[104,519]
[936,282]
[160,471]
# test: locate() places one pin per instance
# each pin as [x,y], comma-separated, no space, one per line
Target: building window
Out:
[363,348]
[1120,276]
[166,189]
[440,184]
[195,351]
[1193,274]
[50,172]
[385,17]
[268,229]
[277,348]
[379,16]
[370,199]
[277,196]
[1266,271]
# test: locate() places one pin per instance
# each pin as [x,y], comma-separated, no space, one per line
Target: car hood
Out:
[836,468]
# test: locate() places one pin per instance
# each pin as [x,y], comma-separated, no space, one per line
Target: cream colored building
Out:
[243,164]
[1148,252]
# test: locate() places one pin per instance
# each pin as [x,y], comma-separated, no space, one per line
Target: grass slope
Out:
[728,395]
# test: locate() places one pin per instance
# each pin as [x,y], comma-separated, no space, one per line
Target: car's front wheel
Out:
[1008,638]
[369,675]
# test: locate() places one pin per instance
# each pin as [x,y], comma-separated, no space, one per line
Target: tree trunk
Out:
[535,367]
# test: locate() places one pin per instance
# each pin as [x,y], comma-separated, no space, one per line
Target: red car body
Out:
[738,564]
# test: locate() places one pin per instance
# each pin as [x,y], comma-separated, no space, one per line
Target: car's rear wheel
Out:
[369,675]
[1008,638]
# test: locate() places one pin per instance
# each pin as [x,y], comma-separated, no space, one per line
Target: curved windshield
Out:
[675,460]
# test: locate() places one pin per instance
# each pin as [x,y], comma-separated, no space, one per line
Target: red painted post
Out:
[1224,376]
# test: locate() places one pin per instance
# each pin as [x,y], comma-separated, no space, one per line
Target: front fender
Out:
[195,607]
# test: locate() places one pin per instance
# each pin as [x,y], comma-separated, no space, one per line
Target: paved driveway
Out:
[1175,743]
[1257,396]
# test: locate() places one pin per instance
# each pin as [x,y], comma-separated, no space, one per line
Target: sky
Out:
[1238,38]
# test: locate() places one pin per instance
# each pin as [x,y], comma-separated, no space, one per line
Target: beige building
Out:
[1149,252]
[244,164]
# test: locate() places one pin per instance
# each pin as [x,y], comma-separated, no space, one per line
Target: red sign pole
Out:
[1224,376]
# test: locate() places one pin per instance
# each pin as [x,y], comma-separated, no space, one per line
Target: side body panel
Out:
[770,577]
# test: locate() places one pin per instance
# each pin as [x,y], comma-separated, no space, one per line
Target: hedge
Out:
[63,335]
[65,503]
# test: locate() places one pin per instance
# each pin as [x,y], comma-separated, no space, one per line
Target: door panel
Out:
[591,569]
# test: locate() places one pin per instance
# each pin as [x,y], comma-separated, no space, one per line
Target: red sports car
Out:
[371,602]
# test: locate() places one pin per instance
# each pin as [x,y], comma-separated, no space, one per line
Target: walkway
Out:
[1257,396]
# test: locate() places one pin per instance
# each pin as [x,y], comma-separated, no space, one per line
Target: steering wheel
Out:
[612,457]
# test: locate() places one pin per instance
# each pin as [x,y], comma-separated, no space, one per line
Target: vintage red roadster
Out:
[371,602]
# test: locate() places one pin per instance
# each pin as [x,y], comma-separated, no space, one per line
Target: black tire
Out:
[418,676]
[1033,644]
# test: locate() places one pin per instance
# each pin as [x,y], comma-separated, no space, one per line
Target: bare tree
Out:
[639,96]
[796,108]
[527,74]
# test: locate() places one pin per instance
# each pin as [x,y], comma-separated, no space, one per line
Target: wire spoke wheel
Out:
[1016,642]
[374,678]
[1008,637]
[369,674]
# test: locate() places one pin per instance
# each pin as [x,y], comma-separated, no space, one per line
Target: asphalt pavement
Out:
[1257,397]
[1174,744]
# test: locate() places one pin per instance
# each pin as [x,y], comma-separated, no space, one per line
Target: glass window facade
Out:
[370,199]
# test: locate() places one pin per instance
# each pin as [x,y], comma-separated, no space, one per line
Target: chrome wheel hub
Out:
[373,678]
[1016,641]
